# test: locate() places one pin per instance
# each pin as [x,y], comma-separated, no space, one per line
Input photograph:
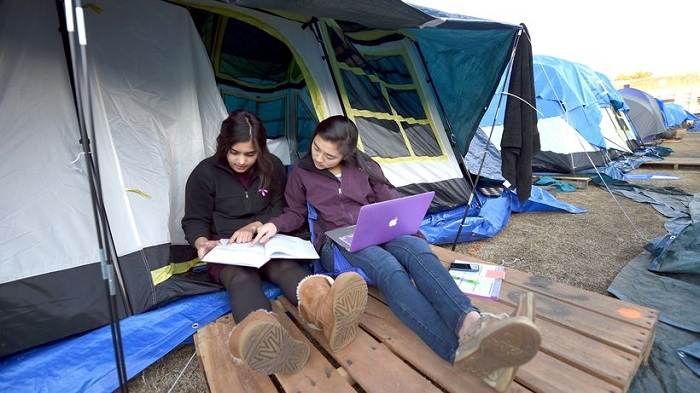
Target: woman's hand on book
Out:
[245,234]
[265,232]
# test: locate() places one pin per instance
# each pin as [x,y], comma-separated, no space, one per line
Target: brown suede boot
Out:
[333,306]
[501,379]
[265,346]
[496,342]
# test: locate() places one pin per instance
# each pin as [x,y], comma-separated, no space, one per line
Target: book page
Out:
[284,246]
[242,254]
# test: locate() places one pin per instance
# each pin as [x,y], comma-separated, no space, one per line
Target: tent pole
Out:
[74,18]
[316,29]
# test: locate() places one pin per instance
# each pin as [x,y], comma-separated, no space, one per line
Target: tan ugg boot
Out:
[260,342]
[333,306]
[497,341]
[501,379]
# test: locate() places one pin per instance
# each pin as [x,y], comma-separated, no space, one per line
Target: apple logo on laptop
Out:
[393,222]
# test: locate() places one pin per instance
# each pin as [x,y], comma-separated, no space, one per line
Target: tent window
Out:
[381,138]
[306,123]
[249,55]
[384,98]
[423,142]
[256,71]
[390,69]
[407,104]
[364,94]
[272,113]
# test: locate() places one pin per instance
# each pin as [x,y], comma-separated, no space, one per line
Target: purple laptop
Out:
[381,222]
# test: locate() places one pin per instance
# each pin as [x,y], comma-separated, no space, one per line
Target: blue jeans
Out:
[418,289]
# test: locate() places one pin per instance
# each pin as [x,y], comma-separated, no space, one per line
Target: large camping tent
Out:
[577,117]
[645,113]
[151,91]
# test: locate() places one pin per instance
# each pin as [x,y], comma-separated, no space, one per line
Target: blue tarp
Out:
[86,363]
[610,94]
[675,115]
[491,218]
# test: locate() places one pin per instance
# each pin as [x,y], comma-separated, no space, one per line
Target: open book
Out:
[484,282]
[279,246]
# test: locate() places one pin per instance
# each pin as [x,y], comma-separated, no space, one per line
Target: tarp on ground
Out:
[491,218]
[675,203]
[60,366]
[674,362]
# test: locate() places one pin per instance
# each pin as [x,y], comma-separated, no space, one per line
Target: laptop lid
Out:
[381,222]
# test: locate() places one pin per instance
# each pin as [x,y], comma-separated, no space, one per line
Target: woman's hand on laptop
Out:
[265,232]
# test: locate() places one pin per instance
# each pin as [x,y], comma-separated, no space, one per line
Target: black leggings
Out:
[244,285]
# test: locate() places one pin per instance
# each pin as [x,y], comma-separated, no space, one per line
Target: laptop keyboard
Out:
[347,238]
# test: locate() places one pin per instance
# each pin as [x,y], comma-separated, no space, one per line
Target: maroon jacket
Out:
[337,202]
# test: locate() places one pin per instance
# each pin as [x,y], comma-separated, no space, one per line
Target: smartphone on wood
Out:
[467,267]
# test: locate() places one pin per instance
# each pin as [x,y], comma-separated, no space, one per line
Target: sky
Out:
[611,37]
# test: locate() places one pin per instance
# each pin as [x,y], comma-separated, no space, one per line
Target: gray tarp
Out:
[667,278]
[673,364]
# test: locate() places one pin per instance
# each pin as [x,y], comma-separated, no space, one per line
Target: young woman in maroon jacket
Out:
[337,179]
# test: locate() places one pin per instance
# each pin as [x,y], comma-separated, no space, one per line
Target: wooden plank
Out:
[599,335]
[318,375]
[547,374]
[590,343]
[674,162]
[591,356]
[221,374]
[382,323]
[370,363]
[635,314]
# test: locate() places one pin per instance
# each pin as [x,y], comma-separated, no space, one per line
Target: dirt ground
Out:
[582,250]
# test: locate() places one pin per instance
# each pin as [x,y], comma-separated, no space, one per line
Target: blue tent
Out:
[578,113]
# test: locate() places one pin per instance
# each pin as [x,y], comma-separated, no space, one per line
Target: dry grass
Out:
[582,250]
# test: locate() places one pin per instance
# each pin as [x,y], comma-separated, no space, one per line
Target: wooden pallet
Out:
[591,343]
[675,163]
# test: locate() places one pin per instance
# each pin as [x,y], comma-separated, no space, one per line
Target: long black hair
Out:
[342,132]
[243,126]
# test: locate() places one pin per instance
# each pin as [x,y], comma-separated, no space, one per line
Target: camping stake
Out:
[85,116]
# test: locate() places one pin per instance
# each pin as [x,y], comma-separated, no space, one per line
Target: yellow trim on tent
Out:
[160,275]
[137,191]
